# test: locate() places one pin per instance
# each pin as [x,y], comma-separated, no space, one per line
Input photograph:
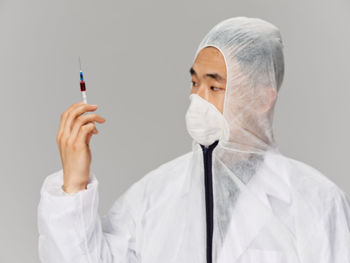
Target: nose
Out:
[201,91]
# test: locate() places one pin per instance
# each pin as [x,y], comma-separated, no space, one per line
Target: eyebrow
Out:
[215,76]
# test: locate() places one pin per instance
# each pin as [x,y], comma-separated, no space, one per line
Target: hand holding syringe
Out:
[73,138]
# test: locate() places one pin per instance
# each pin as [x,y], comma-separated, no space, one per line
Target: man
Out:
[233,198]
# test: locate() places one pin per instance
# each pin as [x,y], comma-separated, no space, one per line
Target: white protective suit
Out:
[238,201]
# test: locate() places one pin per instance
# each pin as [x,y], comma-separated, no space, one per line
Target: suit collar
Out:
[271,177]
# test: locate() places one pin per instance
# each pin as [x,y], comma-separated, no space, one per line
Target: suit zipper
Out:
[209,199]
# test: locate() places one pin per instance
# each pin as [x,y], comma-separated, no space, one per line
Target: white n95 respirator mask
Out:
[204,122]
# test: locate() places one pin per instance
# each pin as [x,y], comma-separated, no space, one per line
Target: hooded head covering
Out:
[253,53]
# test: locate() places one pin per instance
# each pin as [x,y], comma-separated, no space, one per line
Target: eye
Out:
[193,83]
[214,88]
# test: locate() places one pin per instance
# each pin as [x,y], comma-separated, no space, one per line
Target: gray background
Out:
[136,57]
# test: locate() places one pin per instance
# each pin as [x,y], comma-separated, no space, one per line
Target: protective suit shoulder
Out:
[312,186]
[321,212]
[310,176]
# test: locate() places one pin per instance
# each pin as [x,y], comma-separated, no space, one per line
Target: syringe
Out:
[82,84]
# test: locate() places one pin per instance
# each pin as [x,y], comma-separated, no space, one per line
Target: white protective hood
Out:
[266,207]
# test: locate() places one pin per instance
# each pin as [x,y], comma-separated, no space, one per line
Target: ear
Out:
[268,98]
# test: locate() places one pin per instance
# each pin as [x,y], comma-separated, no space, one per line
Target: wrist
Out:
[70,189]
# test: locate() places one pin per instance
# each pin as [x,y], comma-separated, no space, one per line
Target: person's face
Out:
[209,76]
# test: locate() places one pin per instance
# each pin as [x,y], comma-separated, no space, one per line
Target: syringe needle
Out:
[80,63]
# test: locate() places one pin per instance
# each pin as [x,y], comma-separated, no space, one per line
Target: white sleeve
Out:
[71,230]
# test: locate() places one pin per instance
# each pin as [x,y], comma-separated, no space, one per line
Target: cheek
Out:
[218,100]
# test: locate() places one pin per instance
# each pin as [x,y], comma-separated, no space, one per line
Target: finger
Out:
[73,114]
[82,120]
[95,131]
[84,132]
[63,119]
